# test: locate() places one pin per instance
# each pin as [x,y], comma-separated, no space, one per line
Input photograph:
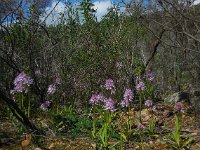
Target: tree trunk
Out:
[18,113]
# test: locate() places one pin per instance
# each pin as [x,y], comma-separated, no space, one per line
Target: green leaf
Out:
[188,142]
[112,147]
[94,129]
[123,136]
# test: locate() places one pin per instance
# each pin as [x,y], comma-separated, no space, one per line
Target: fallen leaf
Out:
[25,143]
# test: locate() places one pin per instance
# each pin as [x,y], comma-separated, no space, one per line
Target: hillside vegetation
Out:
[129,80]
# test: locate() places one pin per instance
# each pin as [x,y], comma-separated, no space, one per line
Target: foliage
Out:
[177,142]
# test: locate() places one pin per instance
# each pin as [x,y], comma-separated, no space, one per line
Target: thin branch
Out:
[155,47]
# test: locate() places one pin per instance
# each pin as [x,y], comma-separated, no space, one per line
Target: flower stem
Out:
[22,102]
[29,106]
[140,97]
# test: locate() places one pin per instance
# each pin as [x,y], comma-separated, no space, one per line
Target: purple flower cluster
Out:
[95,99]
[148,103]
[109,104]
[179,107]
[51,89]
[128,97]
[140,86]
[154,108]
[45,105]
[21,82]
[140,126]
[150,75]
[109,85]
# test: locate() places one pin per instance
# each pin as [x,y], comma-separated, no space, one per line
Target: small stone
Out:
[37,148]
[177,97]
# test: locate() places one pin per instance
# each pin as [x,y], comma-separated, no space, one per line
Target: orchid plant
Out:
[22,83]
[104,133]
[177,142]
[127,99]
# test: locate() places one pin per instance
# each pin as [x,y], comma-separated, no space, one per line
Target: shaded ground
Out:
[11,139]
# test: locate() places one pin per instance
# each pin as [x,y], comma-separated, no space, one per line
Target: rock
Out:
[177,97]
[195,101]
[195,98]
[196,93]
